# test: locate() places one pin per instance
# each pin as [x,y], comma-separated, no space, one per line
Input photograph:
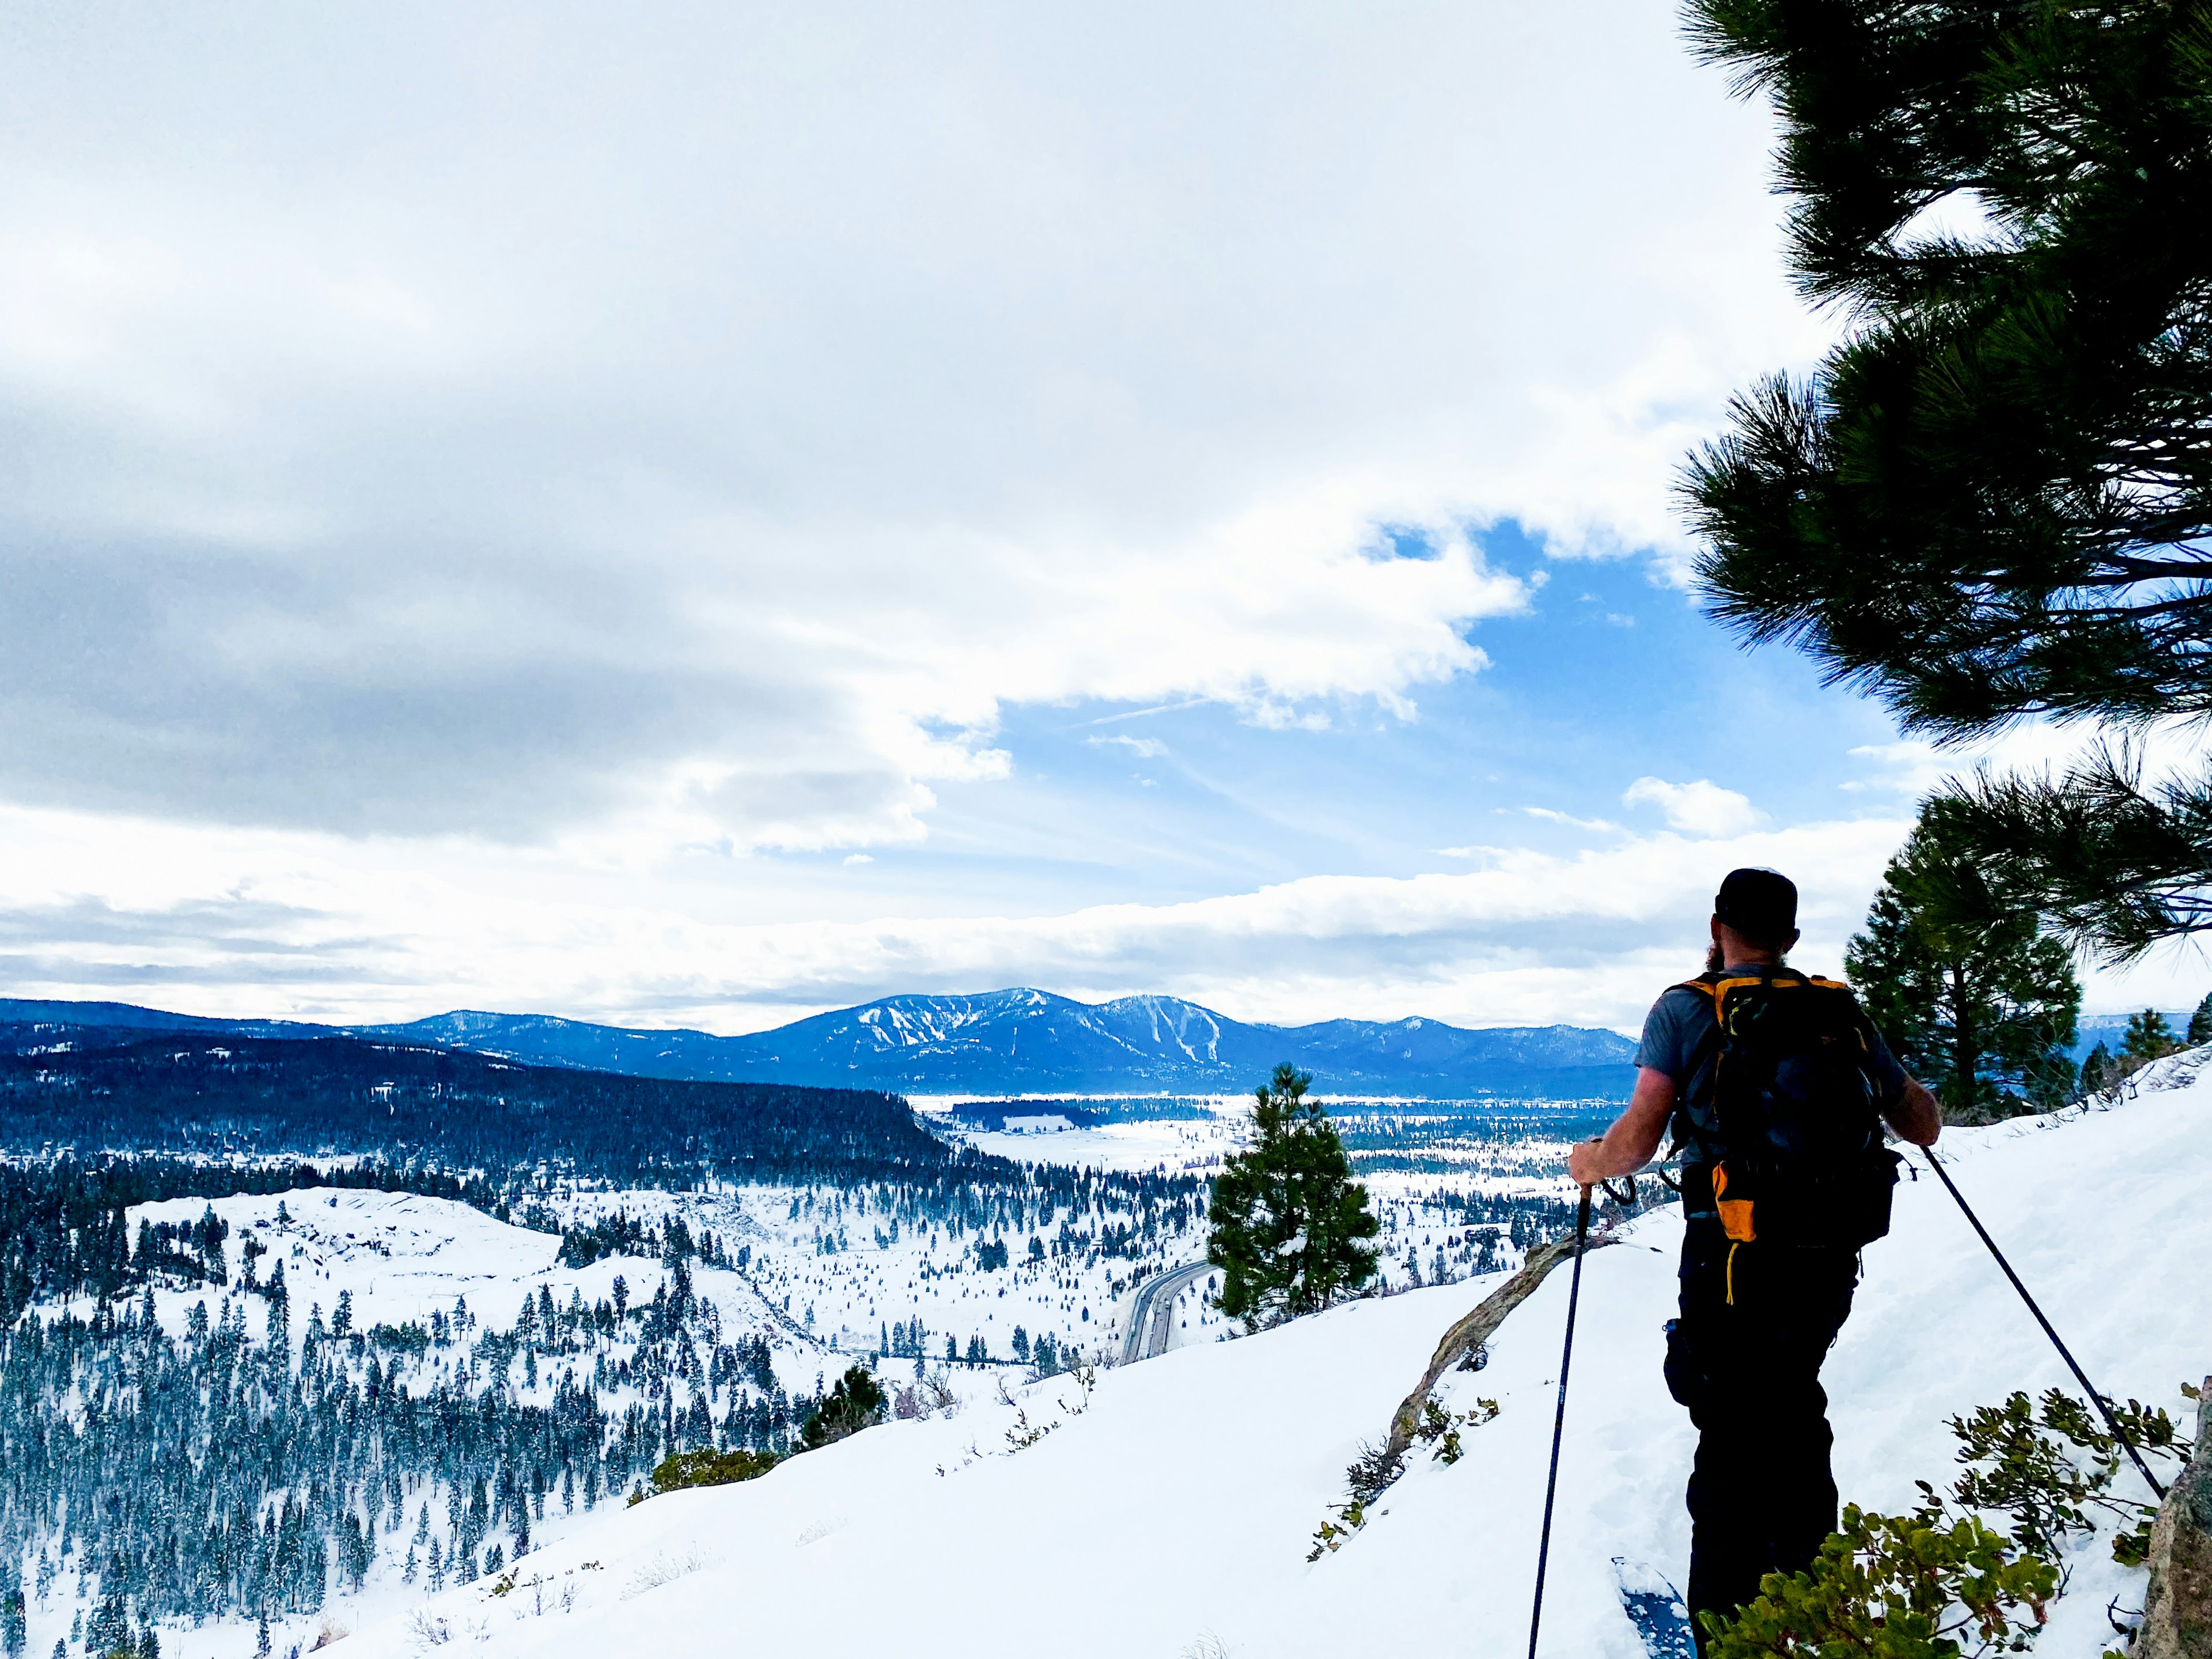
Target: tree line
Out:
[255,1096]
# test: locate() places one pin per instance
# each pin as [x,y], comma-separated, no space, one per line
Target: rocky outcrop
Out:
[2177,1613]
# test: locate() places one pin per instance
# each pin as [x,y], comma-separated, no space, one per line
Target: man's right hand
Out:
[1917,1117]
[1628,1145]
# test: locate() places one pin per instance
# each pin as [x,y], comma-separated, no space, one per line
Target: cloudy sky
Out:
[698,515]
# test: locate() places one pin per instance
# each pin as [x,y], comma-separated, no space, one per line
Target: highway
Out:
[1151,1310]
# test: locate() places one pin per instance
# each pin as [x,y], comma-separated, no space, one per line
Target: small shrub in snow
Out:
[705,1466]
[1368,1477]
[1441,1428]
[2015,1467]
[1371,1474]
[663,1570]
[1895,1587]
[1937,1583]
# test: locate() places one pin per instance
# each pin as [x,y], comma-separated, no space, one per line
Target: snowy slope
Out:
[1178,1507]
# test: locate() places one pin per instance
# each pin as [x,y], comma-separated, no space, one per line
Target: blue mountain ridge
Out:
[1011,1041]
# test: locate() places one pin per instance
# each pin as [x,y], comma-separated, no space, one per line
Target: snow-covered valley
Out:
[1167,1507]
[1171,1511]
[456,1391]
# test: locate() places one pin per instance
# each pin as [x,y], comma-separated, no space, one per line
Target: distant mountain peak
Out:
[1020,1040]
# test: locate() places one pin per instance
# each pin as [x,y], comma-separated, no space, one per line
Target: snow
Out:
[1174,1508]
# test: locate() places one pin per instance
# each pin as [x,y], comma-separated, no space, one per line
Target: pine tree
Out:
[2148,1038]
[856,1403]
[2101,1072]
[2200,1024]
[1289,1224]
[1992,499]
[1973,999]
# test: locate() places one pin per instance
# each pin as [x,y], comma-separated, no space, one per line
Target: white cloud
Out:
[1551,816]
[714,443]
[445,548]
[324,927]
[1702,808]
[320,927]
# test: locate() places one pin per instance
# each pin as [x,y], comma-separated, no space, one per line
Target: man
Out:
[1766,1283]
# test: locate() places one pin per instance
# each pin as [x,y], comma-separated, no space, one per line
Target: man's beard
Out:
[1715,960]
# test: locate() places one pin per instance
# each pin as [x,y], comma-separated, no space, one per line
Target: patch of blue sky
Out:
[1610,676]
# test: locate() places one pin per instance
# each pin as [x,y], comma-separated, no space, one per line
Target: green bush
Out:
[1943,1584]
[2023,1462]
[1895,1587]
[706,1466]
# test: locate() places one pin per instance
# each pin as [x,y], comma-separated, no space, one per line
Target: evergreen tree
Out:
[2101,1072]
[2200,1024]
[2148,1038]
[1289,1224]
[1993,499]
[1974,999]
[856,1403]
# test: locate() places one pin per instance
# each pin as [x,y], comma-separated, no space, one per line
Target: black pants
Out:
[1762,1498]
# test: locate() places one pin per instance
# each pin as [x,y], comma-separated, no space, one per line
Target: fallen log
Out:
[1475,1329]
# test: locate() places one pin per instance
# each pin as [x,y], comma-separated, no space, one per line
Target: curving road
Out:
[1152,1307]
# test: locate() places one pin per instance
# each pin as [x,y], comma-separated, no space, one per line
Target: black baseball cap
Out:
[1760,904]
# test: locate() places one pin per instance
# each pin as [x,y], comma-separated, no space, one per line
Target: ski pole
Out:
[1559,1421]
[2072,1364]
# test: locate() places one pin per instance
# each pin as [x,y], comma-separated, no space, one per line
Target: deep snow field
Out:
[1171,1513]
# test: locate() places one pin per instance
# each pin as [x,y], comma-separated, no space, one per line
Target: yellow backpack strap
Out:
[1711,986]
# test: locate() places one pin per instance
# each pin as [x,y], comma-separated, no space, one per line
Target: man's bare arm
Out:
[1915,1115]
[1628,1145]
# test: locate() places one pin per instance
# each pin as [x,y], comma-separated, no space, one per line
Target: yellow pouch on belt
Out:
[1736,1213]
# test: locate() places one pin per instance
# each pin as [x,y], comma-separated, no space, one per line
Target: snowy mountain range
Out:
[1011,1041]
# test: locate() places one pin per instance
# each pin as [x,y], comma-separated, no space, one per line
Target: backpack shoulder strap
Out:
[1708,986]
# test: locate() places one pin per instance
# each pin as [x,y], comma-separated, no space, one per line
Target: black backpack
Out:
[1793,1104]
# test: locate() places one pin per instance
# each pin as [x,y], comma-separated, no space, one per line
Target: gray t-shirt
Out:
[1682,1020]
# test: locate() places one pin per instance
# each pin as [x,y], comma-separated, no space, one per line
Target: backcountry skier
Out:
[1776,1085]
